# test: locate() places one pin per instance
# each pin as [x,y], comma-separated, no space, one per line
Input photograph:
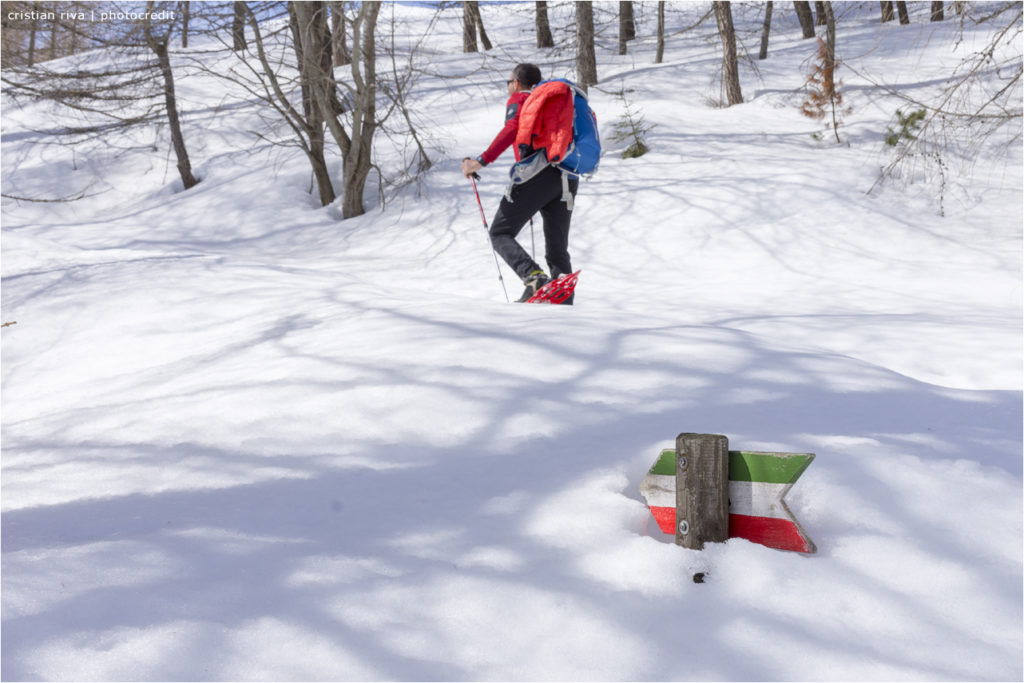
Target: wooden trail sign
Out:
[756,487]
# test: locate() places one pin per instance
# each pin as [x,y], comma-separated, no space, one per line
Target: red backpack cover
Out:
[545,121]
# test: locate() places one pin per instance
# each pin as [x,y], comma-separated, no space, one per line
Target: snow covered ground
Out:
[246,440]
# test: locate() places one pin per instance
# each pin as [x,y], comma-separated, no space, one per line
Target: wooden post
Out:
[702,489]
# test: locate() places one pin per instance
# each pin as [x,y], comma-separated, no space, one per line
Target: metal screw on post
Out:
[683,527]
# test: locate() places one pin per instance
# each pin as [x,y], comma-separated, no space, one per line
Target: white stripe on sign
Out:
[758,499]
[659,490]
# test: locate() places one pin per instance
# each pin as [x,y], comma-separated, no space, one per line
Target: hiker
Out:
[544,193]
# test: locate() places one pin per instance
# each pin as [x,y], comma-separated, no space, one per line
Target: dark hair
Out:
[527,74]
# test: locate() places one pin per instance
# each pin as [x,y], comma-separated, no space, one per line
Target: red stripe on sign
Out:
[774,533]
[666,519]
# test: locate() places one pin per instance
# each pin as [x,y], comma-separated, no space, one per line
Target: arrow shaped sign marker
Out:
[758,484]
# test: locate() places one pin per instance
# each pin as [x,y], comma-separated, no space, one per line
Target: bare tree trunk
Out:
[631,23]
[358,154]
[309,134]
[544,38]
[819,13]
[238,27]
[32,40]
[803,13]
[159,47]
[622,30]
[830,64]
[177,138]
[76,34]
[484,40]
[763,54]
[50,51]
[357,148]
[303,21]
[339,34]
[660,53]
[53,39]
[186,14]
[938,12]
[830,42]
[901,9]
[468,27]
[586,59]
[888,13]
[730,66]
[627,24]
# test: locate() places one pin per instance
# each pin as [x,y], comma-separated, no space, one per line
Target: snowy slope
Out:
[245,440]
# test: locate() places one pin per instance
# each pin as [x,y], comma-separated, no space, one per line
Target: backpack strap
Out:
[566,194]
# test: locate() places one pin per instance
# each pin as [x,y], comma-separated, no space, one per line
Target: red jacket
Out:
[504,139]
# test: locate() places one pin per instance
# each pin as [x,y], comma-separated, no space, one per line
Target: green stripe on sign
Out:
[771,468]
[666,463]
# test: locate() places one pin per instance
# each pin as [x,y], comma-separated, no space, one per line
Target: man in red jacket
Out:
[543,193]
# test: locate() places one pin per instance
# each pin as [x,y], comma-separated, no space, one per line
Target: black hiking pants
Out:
[541,193]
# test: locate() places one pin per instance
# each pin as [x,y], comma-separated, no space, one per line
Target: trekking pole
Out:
[533,241]
[497,265]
